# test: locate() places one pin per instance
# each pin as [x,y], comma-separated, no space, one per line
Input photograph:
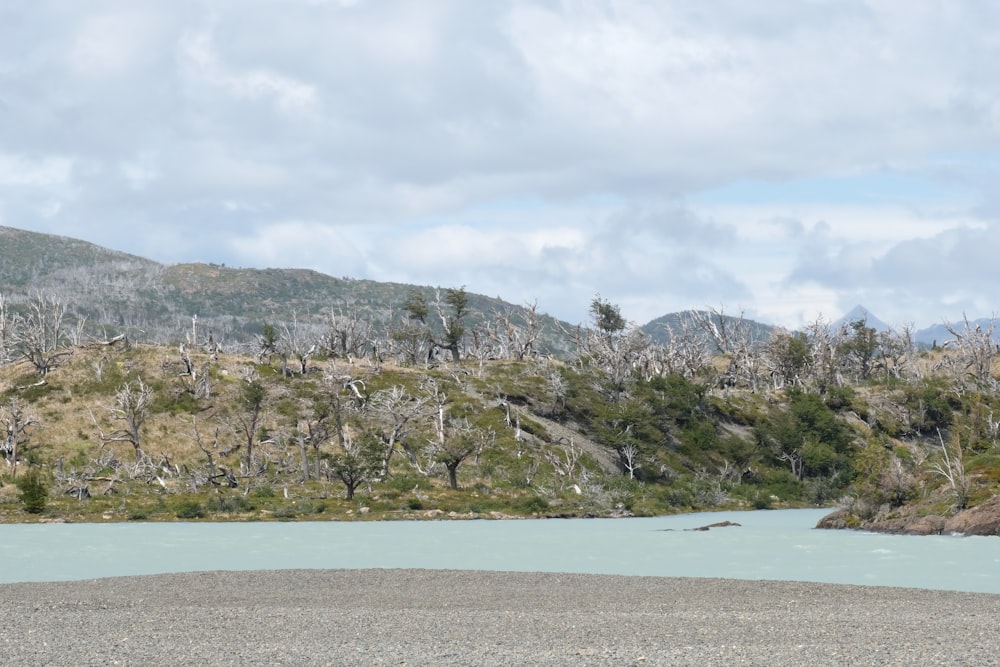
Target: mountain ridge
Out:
[134,292]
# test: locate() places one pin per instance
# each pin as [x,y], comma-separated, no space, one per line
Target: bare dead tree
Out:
[975,349]
[410,343]
[395,413]
[686,351]
[39,335]
[610,344]
[347,336]
[824,345]
[514,339]
[628,454]
[6,332]
[15,422]
[566,462]
[895,351]
[788,357]
[215,472]
[295,342]
[732,337]
[131,408]
[952,468]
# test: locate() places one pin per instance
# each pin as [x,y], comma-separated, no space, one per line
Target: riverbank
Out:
[439,617]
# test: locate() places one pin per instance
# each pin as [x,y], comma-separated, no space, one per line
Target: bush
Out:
[231,504]
[189,509]
[34,492]
[533,505]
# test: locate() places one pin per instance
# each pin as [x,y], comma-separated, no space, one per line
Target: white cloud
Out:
[113,44]
[784,157]
[201,63]
[32,172]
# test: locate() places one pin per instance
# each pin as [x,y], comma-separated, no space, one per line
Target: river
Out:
[780,545]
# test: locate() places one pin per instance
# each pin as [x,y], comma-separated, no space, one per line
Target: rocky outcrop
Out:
[983,519]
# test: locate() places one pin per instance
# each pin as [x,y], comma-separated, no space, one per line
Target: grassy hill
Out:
[170,422]
[115,292]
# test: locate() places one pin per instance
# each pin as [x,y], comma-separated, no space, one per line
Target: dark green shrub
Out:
[34,492]
[231,504]
[533,505]
[189,509]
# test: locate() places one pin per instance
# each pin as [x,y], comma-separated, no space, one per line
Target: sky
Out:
[786,159]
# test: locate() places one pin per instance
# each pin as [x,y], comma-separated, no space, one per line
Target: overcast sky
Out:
[786,158]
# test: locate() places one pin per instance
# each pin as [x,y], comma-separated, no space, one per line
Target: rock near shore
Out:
[983,519]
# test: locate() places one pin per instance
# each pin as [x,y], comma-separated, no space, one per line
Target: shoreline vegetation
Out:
[426,617]
[402,402]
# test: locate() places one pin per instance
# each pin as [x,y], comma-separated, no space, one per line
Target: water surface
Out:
[767,545]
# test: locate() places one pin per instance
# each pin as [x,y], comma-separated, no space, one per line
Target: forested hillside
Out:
[457,406]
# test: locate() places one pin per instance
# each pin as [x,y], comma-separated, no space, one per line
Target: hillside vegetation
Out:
[456,406]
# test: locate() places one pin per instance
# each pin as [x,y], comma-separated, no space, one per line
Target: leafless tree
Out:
[975,350]
[824,345]
[131,408]
[15,422]
[347,336]
[394,415]
[686,351]
[952,468]
[628,454]
[896,350]
[611,345]
[6,332]
[410,343]
[39,334]
[733,338]
[788,356]
[514,339]
[296,342]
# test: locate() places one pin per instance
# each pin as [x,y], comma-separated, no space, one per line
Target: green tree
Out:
[416,306]
[34,492]
[357,464]
[267,342]
[859,350]
[607,317]
[248,419]
[460,445]
[453,321]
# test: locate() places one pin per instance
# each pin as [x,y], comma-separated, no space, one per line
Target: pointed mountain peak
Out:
[859,312]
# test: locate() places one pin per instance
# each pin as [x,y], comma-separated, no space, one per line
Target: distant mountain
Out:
[860,313]
[663,328]
[155,302]
[938,334]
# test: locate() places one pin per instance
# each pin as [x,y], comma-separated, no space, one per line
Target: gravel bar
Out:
[442,617]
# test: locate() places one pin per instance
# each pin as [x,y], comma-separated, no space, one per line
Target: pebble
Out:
[442,617]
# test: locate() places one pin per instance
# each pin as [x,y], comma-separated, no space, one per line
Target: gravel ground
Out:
[436,617]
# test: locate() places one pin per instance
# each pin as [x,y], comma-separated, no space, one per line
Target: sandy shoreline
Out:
[433,617]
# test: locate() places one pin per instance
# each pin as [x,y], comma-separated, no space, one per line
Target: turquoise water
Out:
[767,545]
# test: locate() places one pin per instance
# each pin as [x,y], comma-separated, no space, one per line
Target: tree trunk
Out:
[305,458]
